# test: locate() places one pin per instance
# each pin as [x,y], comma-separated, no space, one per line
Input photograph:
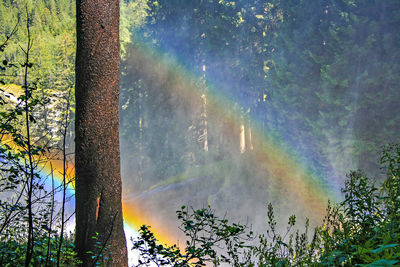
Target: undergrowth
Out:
[362,230]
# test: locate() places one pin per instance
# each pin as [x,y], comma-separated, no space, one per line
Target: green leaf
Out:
[382,248]
[382,263]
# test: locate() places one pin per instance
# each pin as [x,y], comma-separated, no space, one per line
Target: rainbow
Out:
[306,188]
[300,185]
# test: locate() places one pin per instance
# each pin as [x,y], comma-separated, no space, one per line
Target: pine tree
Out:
[99,223]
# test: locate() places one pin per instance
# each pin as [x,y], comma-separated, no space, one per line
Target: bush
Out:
[362,230]
[45,252]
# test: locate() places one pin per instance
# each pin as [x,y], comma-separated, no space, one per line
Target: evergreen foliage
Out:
[52,29]
[323,76]
[335,63]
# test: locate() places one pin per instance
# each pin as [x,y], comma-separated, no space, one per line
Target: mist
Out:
[240,104]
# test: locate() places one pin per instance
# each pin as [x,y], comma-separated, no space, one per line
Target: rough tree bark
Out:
[97,158]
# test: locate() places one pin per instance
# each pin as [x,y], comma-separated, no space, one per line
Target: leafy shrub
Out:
[210,240]
[45,252]
[362,230]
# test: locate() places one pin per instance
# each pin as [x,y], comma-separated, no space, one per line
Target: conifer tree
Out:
[99,223]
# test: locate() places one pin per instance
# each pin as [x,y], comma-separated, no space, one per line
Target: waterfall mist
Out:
[238,104]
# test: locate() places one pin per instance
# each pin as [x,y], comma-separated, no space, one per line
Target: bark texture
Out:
[97,159]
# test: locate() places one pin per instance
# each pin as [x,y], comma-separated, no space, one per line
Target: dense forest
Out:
[223,104]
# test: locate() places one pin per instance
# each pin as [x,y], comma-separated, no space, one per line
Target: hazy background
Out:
[208,86]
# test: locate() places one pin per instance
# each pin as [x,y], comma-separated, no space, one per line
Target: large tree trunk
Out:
[97,158]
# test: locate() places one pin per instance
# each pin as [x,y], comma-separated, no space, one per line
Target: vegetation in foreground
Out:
[362,230]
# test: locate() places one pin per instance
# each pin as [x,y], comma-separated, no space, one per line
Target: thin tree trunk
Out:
[64,182]
[204,123]
[97,156]
[28,163]
[242,139]
[203,114]
[249,139]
